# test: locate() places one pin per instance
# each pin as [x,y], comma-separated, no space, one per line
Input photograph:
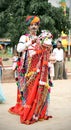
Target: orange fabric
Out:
[17,108]
[35,20]
[30,99]
[44,62]
[32,19]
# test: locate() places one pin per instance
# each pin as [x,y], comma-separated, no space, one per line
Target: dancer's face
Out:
[33,27]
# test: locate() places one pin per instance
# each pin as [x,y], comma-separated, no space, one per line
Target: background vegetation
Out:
[14,12]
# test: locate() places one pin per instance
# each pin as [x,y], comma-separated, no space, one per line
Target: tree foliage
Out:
[14,12]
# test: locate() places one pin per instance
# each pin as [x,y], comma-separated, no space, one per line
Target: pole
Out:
[69,46]
[69,40]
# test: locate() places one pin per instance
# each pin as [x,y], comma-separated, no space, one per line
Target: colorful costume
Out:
[33,87]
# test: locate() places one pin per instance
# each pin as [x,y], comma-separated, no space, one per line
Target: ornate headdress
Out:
[32,19]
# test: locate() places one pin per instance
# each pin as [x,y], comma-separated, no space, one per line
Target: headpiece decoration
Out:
[32,19]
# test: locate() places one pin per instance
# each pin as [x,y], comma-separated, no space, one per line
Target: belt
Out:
[59,61]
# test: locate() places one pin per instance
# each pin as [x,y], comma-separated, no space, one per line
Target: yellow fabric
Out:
[35,20]
[32,19]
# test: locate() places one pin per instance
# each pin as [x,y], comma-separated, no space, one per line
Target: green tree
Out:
[13,14]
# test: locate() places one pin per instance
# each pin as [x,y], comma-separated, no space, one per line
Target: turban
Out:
[32,19]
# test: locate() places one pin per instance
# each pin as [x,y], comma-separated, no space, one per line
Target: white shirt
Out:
[15,58]
[26,43]
[59,54]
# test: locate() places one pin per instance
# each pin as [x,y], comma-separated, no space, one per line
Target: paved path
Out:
[59,108]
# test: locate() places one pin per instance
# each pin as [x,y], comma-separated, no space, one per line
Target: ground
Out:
[59,108]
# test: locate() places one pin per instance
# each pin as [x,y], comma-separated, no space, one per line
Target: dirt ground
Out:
[59,108]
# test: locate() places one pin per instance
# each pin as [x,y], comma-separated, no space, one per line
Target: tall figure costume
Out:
[33,87]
